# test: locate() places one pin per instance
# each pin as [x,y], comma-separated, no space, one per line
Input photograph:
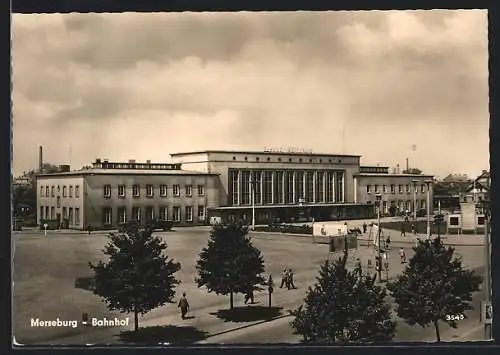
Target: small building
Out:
[111,193]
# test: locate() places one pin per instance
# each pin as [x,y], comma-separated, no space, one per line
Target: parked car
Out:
[156,224]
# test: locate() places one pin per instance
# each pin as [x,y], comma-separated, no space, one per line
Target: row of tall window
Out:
[150,190]
[300,160]
[73,215]
[67,191]
[177,214]
[285,187]
[401,188]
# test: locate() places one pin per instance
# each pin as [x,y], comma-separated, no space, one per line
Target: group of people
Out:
[287,279]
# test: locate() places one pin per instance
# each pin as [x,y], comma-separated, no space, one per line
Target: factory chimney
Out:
[40,160]
[407,165]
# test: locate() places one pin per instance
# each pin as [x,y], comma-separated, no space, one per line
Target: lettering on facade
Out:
[288,150]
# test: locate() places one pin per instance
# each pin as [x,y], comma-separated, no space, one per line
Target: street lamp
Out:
[252,186]
[414,199]
[487,246]
[428,182]
[378,197]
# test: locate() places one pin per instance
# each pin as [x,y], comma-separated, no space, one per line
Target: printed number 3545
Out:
[454,317]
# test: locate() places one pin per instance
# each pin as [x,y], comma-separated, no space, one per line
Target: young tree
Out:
[230,263]
[435,286]
[344,307]
[138,276]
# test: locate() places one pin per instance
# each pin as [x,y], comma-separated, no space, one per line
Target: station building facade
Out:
[112,193]
[287,187]
[230,185]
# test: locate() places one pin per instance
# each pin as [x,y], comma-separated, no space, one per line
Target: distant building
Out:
[115,192]
[456,178]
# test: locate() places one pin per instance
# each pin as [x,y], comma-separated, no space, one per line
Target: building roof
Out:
[395,175]
[262,152]
[89,172]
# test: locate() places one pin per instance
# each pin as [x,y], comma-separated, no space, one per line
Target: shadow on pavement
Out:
[173,335]
[248,314]
[85,283]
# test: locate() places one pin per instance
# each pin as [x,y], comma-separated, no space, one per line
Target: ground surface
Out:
[45,271]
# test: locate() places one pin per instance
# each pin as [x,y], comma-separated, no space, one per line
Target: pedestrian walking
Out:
[249,297]
[183,305]
[89,229]
[364,228]
[284,277]
[402,255]
[359,267]
[413,229]
[403,233]
[290,283]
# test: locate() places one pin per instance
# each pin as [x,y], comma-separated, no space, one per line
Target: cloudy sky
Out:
[141,86]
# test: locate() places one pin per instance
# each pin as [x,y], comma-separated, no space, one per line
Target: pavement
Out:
[279,250]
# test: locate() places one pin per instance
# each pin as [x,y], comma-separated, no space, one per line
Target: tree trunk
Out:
[436,326]
[231,300]
[136,320]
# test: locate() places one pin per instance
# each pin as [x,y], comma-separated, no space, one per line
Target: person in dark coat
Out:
[183,305]
[403,233]
[249,297]
[364,228]
[290,283]
[284,278]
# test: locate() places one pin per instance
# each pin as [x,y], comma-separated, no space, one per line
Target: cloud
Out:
[143,85]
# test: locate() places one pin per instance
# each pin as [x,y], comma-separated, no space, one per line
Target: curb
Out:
[364,241]
[248,325]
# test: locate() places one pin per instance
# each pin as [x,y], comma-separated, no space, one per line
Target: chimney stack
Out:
[40,160]
[407,165]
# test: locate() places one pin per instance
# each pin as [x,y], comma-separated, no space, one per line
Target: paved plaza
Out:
[46,269]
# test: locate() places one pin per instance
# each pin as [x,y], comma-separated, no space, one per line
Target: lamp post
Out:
[414,199]
[487,256]
[378,197]
[252,186]
[428,183]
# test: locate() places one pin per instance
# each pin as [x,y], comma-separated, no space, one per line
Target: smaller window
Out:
[189,190]
[41,191]
[290,160]
[163,190]
[234,158]
[310,160]
[58,201]
[369,189]
[279,159]
[189,213]
[480,221]
[46,191]
[121,190]
[454,221]
[393,189]
[58,188]
[52,191]
[77,192]
[246,158]
[135,190]
[176,190]
[300,160]
[201,190]
[65,191]
[422,188]
[257,159]
[149,191]
[107,191]
[320,160]
[340,160]
[268,159]
[329,160]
